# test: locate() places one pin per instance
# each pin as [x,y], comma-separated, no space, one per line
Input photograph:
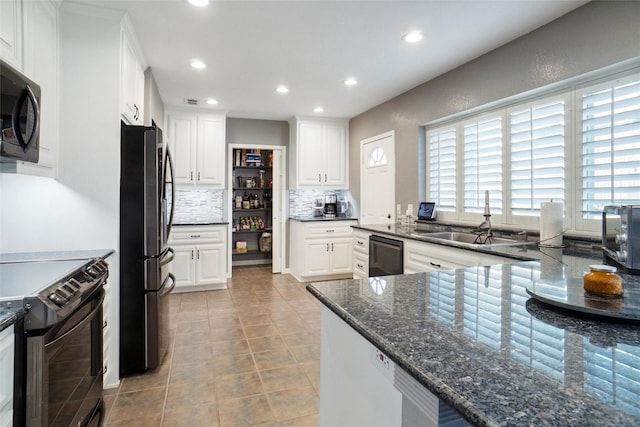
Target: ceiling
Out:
[250,47]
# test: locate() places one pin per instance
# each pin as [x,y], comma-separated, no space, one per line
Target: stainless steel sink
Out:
[470,238]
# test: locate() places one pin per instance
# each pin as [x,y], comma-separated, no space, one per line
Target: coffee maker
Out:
[330,205]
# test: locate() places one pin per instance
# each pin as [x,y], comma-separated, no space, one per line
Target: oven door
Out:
[64,370]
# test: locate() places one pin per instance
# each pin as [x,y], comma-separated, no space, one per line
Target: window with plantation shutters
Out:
[442,168]
[610,144]
[482,140]
[537,139]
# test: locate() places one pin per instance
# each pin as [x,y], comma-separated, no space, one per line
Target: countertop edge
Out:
[200,224]
[320,218]
[441,391]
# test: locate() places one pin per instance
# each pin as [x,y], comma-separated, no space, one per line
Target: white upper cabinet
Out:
[11,32]
[197,144]
[29,43]
[319,154]
[132,78]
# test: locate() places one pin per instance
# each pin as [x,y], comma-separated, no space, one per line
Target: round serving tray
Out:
[570,294]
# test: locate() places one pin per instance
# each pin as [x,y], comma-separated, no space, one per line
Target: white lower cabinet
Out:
[360,254]
[362,386]
[422,257]
[200,261]
[321,249]
[7,353]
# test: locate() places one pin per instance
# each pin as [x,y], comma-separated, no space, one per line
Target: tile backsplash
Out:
[194,206]
[301,201]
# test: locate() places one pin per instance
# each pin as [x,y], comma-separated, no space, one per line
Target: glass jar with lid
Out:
[603,280]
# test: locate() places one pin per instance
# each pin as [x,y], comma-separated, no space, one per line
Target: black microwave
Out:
[19,116]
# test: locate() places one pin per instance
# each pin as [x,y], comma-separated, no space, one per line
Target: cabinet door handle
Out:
[191,176]
[360,242]
[198,176]
[325,177]
[191,254]
[360,266]
[327,247]
[330,230]
[195,235]
[332,247]
[319,177]
[434,264]
[198,253]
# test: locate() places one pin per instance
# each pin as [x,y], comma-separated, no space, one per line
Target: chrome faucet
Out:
[485,226]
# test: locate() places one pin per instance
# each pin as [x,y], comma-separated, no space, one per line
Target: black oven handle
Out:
[165,289]
[79,325]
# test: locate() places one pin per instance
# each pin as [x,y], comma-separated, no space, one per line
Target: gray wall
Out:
[591,37]
[257,132]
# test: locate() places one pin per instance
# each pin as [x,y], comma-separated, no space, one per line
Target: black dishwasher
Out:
[385,256]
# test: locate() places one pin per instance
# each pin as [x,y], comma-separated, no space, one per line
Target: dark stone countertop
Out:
[525,252]
[475,339]
[11,314]
[310,218]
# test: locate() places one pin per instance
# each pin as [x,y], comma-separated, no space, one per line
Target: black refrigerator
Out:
[146,180]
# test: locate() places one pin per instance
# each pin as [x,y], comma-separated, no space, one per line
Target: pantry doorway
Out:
[255,205]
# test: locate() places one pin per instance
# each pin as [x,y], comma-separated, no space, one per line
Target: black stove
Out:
[58,374]
[50,290]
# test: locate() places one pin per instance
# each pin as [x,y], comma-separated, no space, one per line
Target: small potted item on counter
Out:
[603,280]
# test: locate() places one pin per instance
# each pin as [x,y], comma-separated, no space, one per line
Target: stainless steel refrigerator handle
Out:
[167,250]
[173,192]
[170,288]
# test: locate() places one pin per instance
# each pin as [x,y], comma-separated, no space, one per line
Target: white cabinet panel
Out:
[7,344]
[210,258]
[197,142]
[182,141]
[200,261]
[335,156]
[183,267]
[321,249]
[310,155]
[11,32]
[319,154]
[341,256]
[316,258]
[132,81]
[210,150]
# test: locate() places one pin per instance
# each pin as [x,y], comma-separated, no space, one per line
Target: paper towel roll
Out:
[551,224]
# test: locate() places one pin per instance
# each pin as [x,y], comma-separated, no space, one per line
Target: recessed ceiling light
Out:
[282,89]
[199,3]
[412,37]
[351,81]
[318,109]
[212,101]
[198,65]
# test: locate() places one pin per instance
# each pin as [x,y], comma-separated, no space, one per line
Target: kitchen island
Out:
[475,340]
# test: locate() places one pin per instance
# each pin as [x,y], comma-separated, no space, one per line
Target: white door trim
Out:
[392,134]
[278,260]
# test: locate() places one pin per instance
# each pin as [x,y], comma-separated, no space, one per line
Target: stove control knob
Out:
[57,299]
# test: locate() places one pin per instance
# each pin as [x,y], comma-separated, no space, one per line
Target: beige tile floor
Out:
[244,356]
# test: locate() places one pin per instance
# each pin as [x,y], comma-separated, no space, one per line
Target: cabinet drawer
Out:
[181,235]
[361,242]
[334,229]
[360,265]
